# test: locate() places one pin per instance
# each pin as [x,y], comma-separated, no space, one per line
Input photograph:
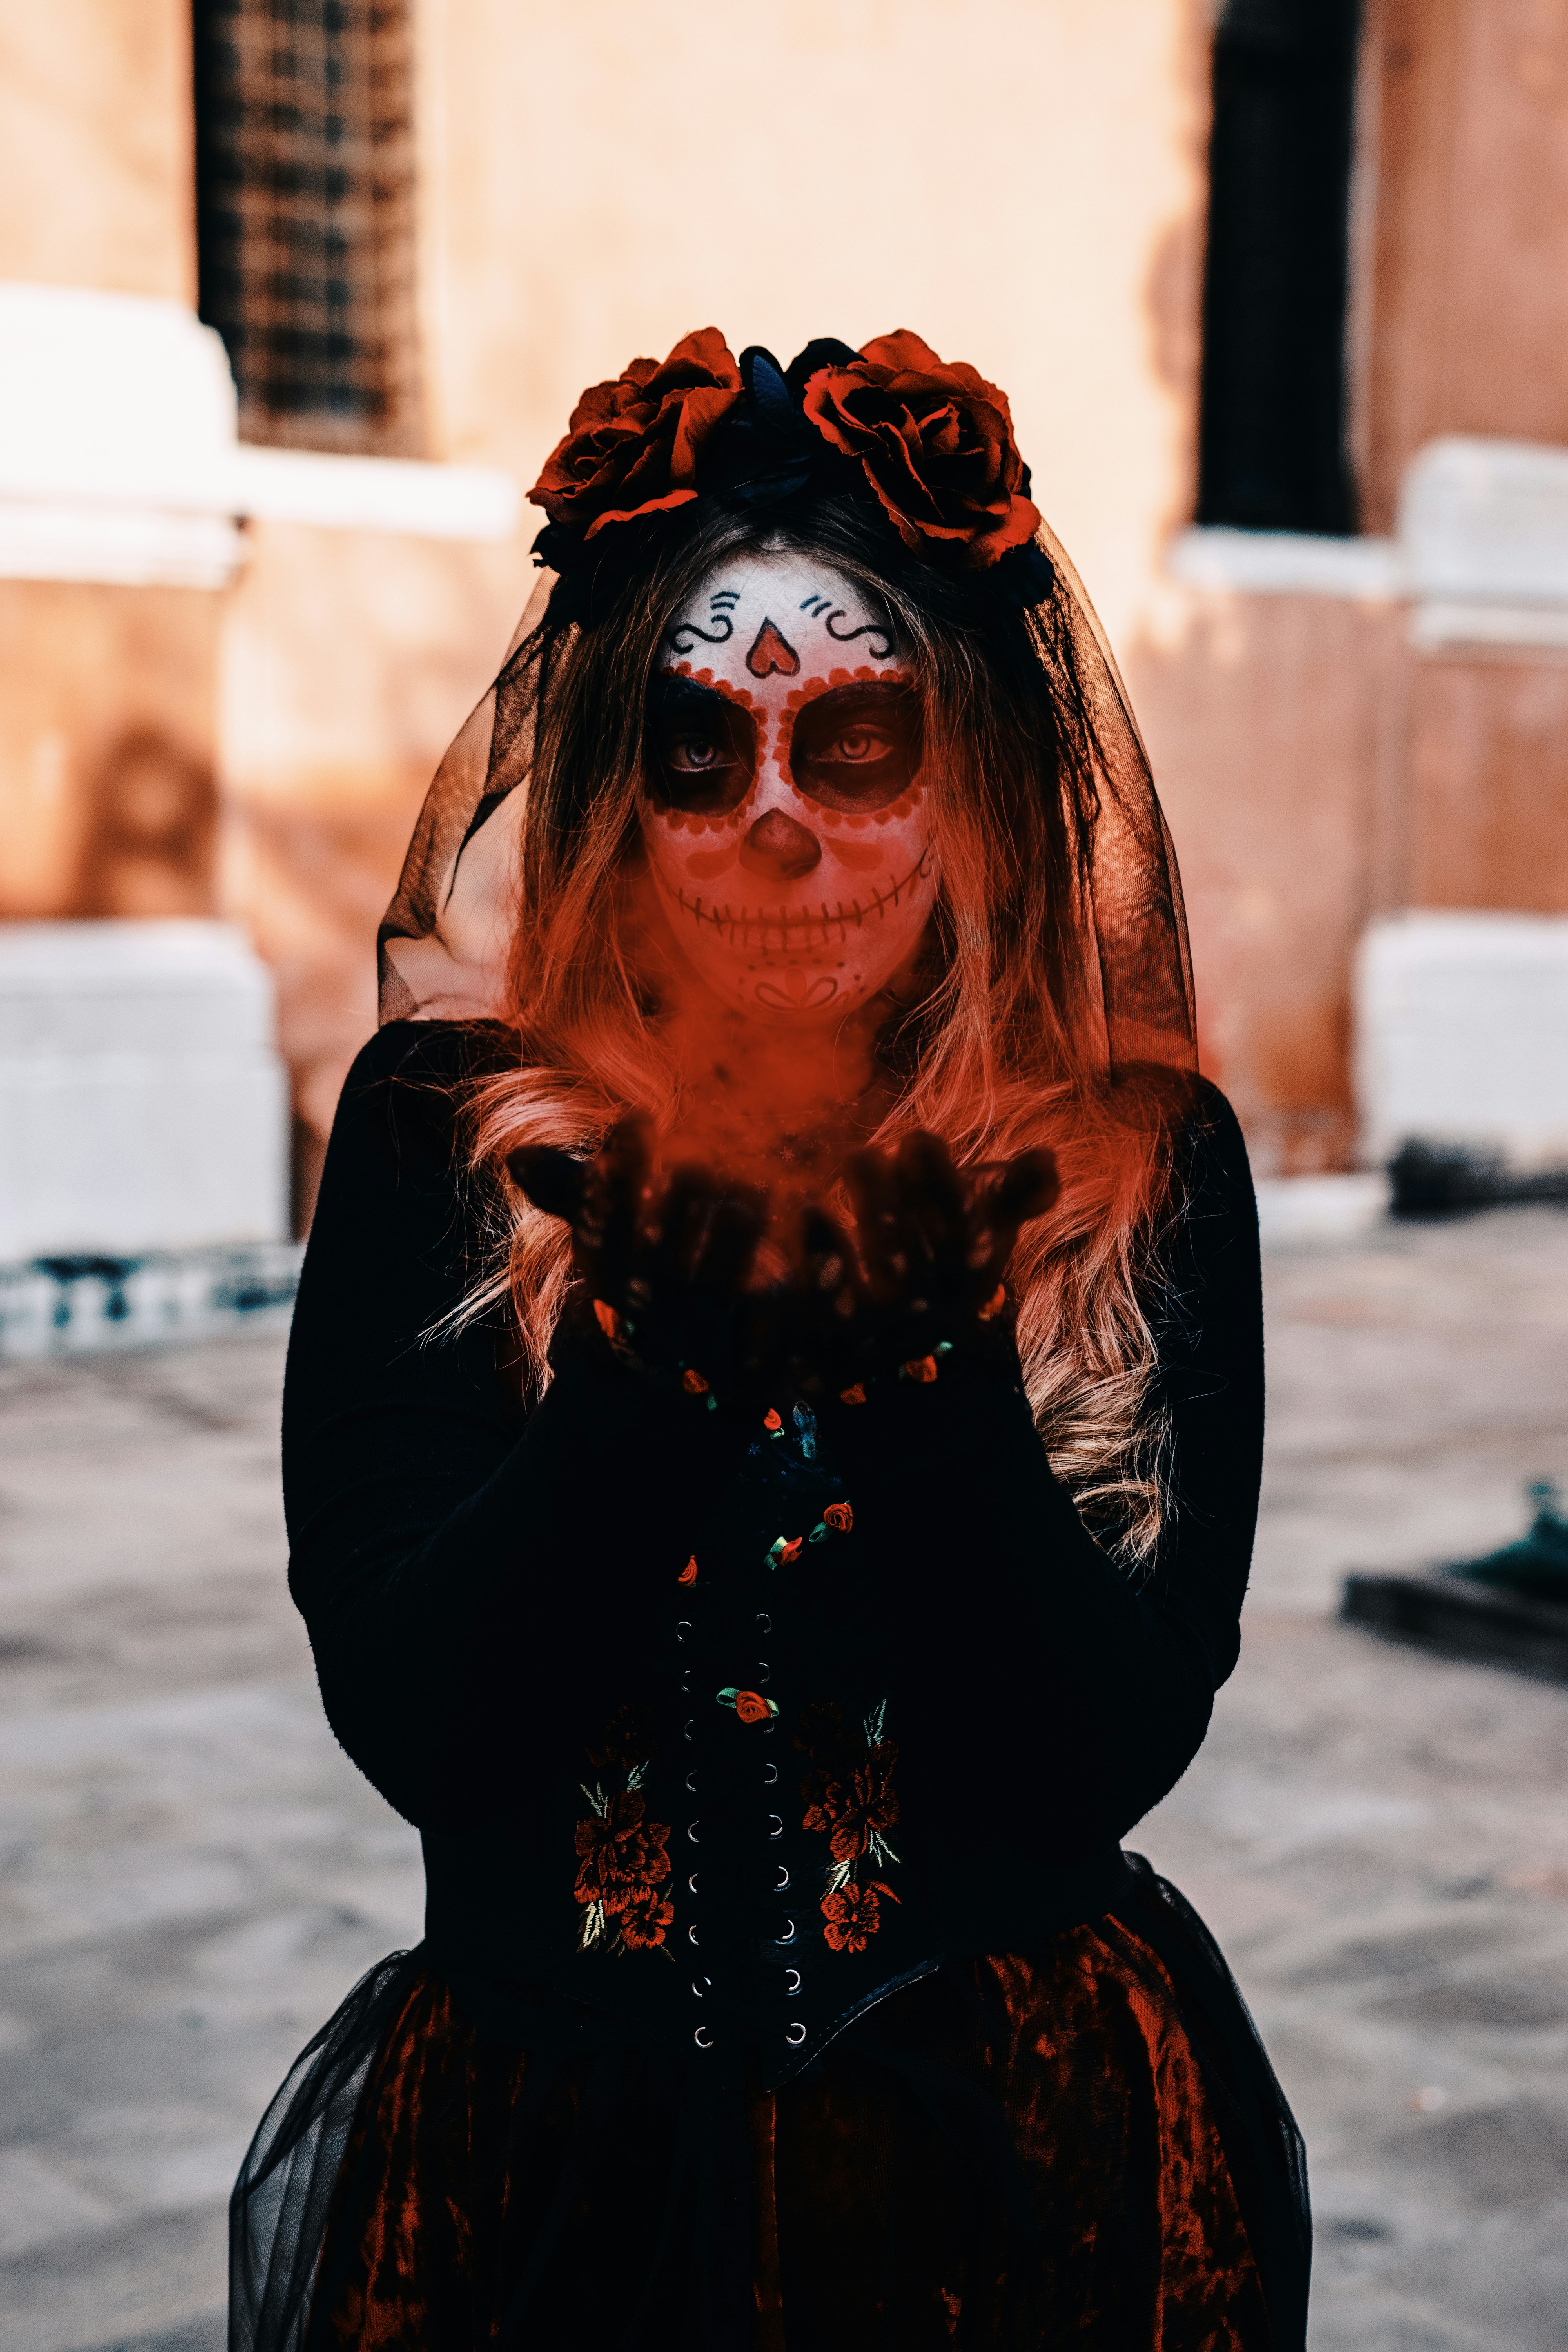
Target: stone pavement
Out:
[194,1875]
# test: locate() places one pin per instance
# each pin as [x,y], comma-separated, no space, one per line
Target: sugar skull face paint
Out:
[783,813]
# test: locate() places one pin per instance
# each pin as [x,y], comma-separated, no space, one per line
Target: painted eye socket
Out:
[700,750]
[859,747]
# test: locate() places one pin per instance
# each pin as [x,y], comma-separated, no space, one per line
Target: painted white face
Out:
[786,824]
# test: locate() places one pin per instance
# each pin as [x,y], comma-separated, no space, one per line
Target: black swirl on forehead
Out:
[824,609]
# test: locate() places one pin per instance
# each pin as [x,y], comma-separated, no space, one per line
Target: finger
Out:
[879,1226]
[1027,1187]
[553,1180]
[679,1221]
[612,1203]
[828,1264]
[932,1202]
[730,1245]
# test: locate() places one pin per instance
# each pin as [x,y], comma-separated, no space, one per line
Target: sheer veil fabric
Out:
[445,939]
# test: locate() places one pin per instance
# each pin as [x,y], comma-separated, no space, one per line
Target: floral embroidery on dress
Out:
[623,1858]
[850,1799]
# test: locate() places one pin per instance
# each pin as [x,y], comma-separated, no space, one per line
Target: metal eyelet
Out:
[692,1831]
[770,1726]
[691,1882]
[769,1775]
[702,1986]
[685,1683]
[691,1933]
[703,2038]
[783,1880]
[692,1780]
[779,1831]
[765,1672]
[788,1936]
[682,1627]
[792,1980]
[764,1623]
[690,1721]
[795,2034]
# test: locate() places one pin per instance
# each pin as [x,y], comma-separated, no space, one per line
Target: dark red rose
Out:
[644,1916]
[821,1733]
[848,1809]
[853,1916]
[633,446]
[617,1850]
[629,1738]
[936,442]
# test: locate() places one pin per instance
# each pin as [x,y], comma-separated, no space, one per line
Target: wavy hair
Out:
[997,1050]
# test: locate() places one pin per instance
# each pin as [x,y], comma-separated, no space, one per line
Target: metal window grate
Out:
[305,217]
[1272,429]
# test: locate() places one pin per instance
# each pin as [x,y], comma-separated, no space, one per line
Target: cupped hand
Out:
[925,1273]
[663,1266]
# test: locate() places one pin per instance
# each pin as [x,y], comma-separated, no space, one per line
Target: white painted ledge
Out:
[1479,554]
[1287,563]
[120,459]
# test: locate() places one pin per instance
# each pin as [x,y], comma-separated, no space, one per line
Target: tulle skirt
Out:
[1082,2144]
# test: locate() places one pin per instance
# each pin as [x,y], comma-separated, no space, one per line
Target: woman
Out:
[773,1630]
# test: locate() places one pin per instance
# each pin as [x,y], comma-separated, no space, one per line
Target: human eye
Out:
[857,747]
[700,750]
[858,744]
[694,753]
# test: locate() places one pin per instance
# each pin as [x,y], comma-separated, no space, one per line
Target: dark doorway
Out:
[1272,442]
[305,217]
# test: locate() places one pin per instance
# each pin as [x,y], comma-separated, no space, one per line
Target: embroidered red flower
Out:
[617,1850]
[688,1573]
[627,1739]
[853,1395]
[936,442]
[921,1368]
[633,446]
[852,1807]
[853,1915]
[645,1917]
[692,1381]
[772,1421]
[838,1516]
[752,1707]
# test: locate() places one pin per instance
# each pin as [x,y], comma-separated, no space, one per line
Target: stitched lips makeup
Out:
[785,817]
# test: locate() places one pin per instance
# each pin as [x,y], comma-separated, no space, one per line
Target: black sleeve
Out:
[450,1557]
[1059,1669]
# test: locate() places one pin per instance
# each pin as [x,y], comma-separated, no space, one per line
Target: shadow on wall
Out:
[150,832]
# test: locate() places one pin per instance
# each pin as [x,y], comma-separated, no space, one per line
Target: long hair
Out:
[997,1051]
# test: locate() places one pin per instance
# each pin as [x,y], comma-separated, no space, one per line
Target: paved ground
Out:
[193,1875]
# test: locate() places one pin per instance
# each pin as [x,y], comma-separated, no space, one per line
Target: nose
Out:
[780,848]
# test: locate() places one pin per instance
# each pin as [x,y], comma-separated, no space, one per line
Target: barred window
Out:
[305,217]
[1273,449]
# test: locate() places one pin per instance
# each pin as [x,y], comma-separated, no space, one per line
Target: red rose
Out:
[838,1516]
[936,442]
[633,446]
[628,1740]
[644,1917]
[618,1850]
[852,1914]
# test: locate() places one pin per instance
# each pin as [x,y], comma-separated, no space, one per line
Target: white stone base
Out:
[1461,1037]
[143,1105]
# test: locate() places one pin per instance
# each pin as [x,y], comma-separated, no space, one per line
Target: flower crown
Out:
[932,440]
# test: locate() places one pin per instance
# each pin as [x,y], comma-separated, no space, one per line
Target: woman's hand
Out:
[662,1267]
[926,1273]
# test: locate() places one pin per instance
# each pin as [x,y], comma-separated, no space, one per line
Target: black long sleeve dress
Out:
[783,1980]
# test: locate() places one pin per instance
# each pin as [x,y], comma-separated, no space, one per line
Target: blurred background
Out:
[295,297]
